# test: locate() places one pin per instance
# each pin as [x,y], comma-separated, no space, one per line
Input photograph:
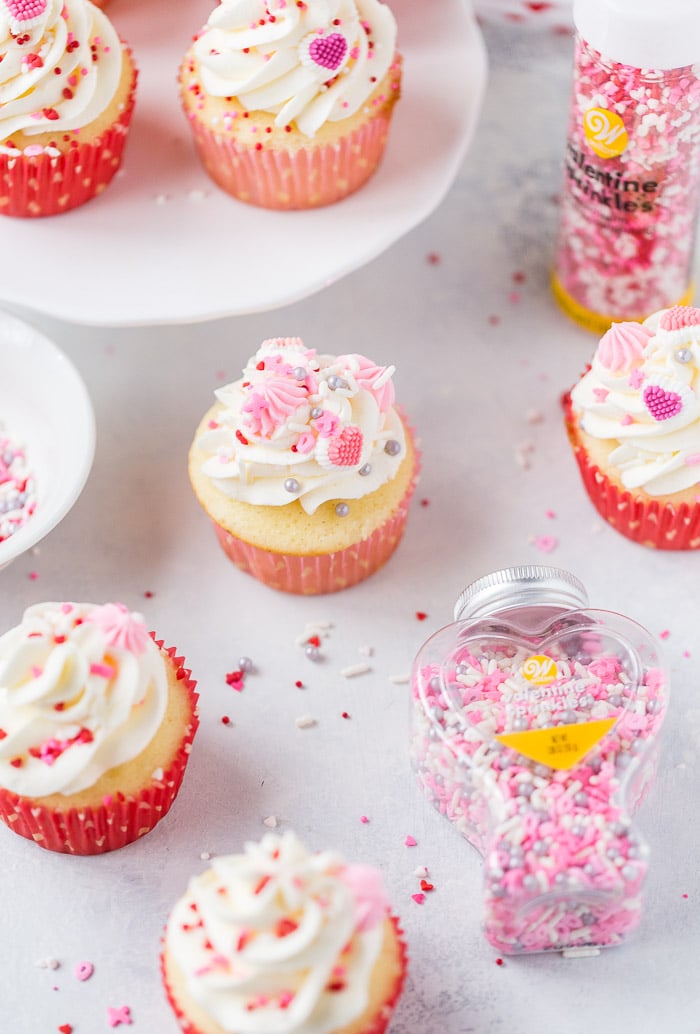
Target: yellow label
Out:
[539,669]
[560,747]
[605,132]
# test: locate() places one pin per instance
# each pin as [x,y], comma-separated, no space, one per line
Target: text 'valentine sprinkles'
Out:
[17,486]
[632,166]
[533,723]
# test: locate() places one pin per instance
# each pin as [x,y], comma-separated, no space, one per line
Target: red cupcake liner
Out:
[44,184]
[88,831]
[309,177]
[655,524]
[379,1022]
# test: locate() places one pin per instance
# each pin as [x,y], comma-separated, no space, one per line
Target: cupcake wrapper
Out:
[306,178]
[43,184]
[88,831]
[377,1026]
[654,524]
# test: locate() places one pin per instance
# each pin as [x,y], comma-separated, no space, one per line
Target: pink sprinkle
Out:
[84,970]
[686,653]
[627,419]
[212,424]
[364,819]
[546,543]
[418,898]
[693,459]
[410,841]
[33,576]
[600,394]
[105,671]
[494,320]
[433,258]
[115,1017]
[36,671]
[665,634]
[107,800]
[514,297]
[550,513]
[66,608]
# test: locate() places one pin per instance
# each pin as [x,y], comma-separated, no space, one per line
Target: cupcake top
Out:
[307,63]
[60,65]
[304,426]
[642,393]
[83,688]
[279,940]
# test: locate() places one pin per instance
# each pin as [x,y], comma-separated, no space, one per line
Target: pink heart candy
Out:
[662,404]
[346,448]
[328,51]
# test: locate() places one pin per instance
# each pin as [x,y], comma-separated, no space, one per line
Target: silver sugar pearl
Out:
[292,485]
[316,412]
[299,373]
[520,724]
[335,382]
[365,470]
[629,872]
[312,652]
[531,882]
[342,509]
[683,355]
[392,447]
[245,664]
[581,798]
[435,683]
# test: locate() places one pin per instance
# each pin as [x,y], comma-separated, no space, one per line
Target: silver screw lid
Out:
[520,587]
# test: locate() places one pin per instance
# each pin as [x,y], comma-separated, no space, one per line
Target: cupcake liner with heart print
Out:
[655,524]
[119,820]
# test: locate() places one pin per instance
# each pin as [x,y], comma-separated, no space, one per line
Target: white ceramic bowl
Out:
[44,405]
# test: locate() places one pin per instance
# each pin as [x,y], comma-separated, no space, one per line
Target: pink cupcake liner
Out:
[655,524]
[115,823]
[44,184]
[378,1025]
[305,178]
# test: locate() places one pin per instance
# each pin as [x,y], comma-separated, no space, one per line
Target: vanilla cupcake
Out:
[290,104]
[67,87]
[634,423]
[279,939]
[306,468]
[96,725]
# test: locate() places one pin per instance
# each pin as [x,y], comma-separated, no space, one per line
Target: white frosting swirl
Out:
[83,688]
[648,407]
[311,63]
[303,426]
[59,70]
[269,941]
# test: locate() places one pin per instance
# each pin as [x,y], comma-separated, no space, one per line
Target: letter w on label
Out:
[605,132]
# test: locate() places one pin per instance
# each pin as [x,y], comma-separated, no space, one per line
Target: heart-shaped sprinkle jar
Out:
[534,723]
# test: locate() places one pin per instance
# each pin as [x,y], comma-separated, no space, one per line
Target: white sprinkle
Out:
[197,195]
[366,650]
[421,872]
[157,774]
[305,722]
[534,416]
[162,199]
[580,953]
[48,963]
[355,669]
[321,629]
[205,856]
[270,822]
[399,680]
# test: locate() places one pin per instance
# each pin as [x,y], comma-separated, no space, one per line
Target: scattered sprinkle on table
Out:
[306,721]
[355,669]
[410,841]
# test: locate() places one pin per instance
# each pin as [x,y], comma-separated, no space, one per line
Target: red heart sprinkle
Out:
[424,885]
[66,1028]
[421,615]
[314,640]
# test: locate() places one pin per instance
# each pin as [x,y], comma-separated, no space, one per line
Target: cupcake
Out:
[96,725]
[67,85]
[634,424]
[306,468]
[290,104]
[279,939]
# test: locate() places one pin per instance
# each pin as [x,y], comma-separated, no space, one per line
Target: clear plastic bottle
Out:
[534,722]
[629,204]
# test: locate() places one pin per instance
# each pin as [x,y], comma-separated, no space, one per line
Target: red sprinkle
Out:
[261,884]
[65,1028]
[241,438]
[499,962]
[225,720]
[421,615]
[424,885]
[345,714]
[299,684]
[16,762]
[314,640]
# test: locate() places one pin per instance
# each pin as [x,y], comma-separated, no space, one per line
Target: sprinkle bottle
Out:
[629,203]
[534,731]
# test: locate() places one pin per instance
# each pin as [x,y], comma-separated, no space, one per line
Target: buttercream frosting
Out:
[278,940]
[60,66]
[307,63]
[642,394]
[83,688]
[304,426]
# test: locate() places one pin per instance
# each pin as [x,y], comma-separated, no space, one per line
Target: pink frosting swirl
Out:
[271,403]
[120,627]
[366,373]
[368,890]
[620,346]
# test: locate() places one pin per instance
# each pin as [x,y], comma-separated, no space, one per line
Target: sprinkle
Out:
[410,841]
[545,543]
[499,962]
[225,720]
[235,679]
[48,964]
[344,714]
[494,320]
[105,671]
[425,502]
[33,576]
[514,297]
[364,820]
[421,871]
[665,634]
[418,898]
[534,416]
[115,1017]
[580,953]
[424,885]
[205,856]
[305,722]
[421,615]
[365,650]
[299,684]
[355,669]
[83,970]
[400,680]
[270,822]
[65,1028]
[433,258]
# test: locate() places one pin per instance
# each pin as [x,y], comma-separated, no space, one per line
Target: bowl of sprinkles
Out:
[47,436]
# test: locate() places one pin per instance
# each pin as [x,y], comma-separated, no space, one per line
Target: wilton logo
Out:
[539,669]
[605,132]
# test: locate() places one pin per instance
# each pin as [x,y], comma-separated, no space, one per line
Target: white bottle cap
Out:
[660,34]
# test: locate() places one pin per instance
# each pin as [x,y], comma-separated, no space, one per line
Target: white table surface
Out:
[476,353]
